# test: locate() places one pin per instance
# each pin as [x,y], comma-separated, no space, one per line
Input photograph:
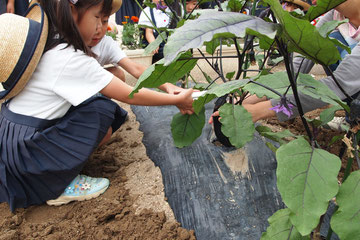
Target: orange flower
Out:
[124,23]
[109,28]
[126,17]
[134,19]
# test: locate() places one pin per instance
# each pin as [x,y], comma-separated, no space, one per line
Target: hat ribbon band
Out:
[27,53]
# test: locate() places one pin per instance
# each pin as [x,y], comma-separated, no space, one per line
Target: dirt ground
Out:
[134,206]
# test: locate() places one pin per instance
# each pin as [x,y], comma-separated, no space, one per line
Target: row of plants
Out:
[306,173]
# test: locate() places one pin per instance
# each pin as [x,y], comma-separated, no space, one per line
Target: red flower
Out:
[109,28]
[134,19]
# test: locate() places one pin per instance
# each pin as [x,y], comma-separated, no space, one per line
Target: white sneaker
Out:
[338,124]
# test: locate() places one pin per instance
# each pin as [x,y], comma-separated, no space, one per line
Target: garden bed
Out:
[134,207]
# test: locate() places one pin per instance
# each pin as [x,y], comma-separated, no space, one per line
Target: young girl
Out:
[160,17]
[191,5]
[108,52]
[52,126]
[292,5]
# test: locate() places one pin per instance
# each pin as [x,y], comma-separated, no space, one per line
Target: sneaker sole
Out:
[65,199]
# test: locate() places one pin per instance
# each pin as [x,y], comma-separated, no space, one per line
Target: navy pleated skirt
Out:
[39,158]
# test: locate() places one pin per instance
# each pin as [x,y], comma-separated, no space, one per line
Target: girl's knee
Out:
[106,137]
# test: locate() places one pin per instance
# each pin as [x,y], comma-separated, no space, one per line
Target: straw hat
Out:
[116,4]
[300,3]
[22,44]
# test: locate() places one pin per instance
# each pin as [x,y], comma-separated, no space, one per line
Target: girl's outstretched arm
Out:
[120,91]
[132,67]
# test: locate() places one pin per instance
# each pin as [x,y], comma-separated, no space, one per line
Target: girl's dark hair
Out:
[62,27]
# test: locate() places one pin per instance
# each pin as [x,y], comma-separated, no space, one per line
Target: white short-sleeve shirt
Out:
[162,19]
[63,77]
[108,51]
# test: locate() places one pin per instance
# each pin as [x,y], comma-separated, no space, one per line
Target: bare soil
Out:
[134,206]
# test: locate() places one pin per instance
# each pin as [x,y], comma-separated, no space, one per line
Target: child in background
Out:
[347,75]
[14,6]
[160,18]
[54,124]
[190,5]
[109,52]
[291,5]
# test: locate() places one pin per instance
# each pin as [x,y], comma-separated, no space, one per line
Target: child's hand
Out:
[215,114]
[185,102]
[156,50]
[10,7]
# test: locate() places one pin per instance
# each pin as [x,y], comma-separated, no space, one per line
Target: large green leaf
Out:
[346,220]
[321,7]
[278,81]
[306,84]
[195,32]
[158,74]
[237,124]
[328,114]
[186,128]
[275,136]
[316,89]
[328,27]
[218,91]
[281,228]
[235,5]
[155,44]
[212,45]
[307,180]
[303,37]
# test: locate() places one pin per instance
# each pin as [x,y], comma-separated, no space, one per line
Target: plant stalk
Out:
[285,54]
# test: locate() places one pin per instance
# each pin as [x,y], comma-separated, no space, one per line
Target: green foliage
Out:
[212,45]
[306,176]
[322,6]
[186,129]
[281,227]
[278,81]
[155,44]
[316,89]
[307,180]
[328,27]
[345,222]
[230,75]
[131,35]
[328,114]
[113,35]
[275,136]
[236,124]
[235,5]
[218,91]
[306,84]
[304,38]
[158,74]
[195,32]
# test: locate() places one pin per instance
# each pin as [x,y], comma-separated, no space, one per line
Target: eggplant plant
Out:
[306,174]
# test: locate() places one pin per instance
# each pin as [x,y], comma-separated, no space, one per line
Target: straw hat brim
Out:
[302,4]
[116,4]
[16,76]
